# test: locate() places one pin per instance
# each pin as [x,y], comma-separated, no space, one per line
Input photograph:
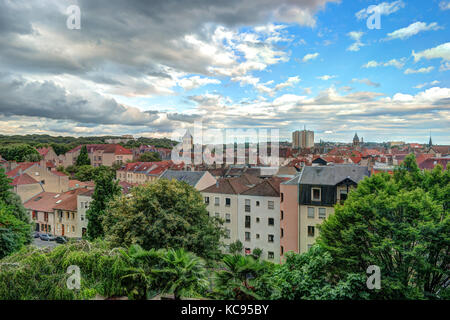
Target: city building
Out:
[99,154]
[309,198]
[302,139]
[143,172]
[259,219]
[198,179]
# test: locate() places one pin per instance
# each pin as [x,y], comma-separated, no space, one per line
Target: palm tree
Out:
[182,273]
[236,279]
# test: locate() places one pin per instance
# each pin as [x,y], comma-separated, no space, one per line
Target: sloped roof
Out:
[332,175]
[23,179]
[20,166]
[430,163]
[117,149]
[227,186]
[267,188]
[70,200]
[190,177]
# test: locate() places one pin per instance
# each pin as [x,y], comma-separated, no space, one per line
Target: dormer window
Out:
[315,194]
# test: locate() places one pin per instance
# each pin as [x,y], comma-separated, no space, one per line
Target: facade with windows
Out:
[259,219]
[309,199]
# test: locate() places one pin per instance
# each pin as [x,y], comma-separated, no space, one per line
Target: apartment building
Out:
[302,139]
[221,201]
[40,173]
[309,198]
[99,154]
[143,172]
[259,219]
[48,154]
[198,179]
[61,214]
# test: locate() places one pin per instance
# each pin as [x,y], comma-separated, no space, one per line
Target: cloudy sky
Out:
[150,67]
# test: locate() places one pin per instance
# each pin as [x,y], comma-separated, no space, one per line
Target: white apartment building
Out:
[259,219]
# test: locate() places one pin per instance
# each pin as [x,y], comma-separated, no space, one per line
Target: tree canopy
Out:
[83,157]
[164,214]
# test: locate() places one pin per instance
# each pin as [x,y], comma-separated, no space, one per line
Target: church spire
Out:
[430,143]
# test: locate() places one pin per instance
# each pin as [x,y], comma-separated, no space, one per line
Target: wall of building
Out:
[259,227]
[27,191]
[290,221]
[307,241]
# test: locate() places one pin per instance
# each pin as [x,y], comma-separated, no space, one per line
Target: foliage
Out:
[308,276]
[149,157]
[105,190]
[85,173]
[83,157]
[236,247]
[400,223]
[256,253]
[164,214]
[19,153]
[181,273]
[238,276]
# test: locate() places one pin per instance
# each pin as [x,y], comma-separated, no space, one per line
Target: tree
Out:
[309,276]
[400,223]
[20,153]
[237,278]
[164,214]
[85,173]
[105,190]
[256,253]
[236,247]
[149,157]
[181,273]
[83,157]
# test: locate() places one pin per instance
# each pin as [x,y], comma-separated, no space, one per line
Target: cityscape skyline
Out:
[279,65]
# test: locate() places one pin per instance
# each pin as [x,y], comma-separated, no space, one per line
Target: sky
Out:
[149,68]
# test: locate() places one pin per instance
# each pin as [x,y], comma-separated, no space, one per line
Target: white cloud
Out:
[290,82]
[421,70]
[366,81]
[326,77]
[412,29]
[355,35]
[383,8]
[196,82]
[310,56]
[426,84]
[441,51]
[398,63]
[444,5]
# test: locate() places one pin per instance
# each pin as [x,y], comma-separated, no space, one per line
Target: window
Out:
[310,212]
[247,221]
[271,221]
[227,218]
[322,213]
[73,215]
[257,236]
[310,231]
[343,196]
[282,215]
[67,215]
[316,194]
[34,215]
[282,197]
[257,203]
[282,250]
[82,217]
[227,202]
[257,220]
[247,236]
[227,233]
[270,204]
[216,201]
[270,255]
[73,228]
[45,216]
[281,233]
[217,215]
[247,205]
[270,237]
[207,200]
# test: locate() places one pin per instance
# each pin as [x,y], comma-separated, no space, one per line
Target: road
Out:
[39,243]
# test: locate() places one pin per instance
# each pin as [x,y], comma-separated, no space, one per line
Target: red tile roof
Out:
[117,149]
[43,151]
[430,163]
[20,166]
[23,179]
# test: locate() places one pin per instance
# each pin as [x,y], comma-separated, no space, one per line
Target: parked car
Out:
[61,239]
[47,237]
[36,234]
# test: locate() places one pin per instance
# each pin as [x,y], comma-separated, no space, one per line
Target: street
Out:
[39,243]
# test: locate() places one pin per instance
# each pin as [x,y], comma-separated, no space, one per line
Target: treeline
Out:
[19,148]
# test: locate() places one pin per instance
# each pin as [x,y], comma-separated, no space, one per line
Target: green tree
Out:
[19,152]
[106,188]
[256,253]
[236,247]
[164,214]
[309,276]
[83,157]
[181,273]
[400,223]
[149,157]
[14,233]
[85,173]
[237,278]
